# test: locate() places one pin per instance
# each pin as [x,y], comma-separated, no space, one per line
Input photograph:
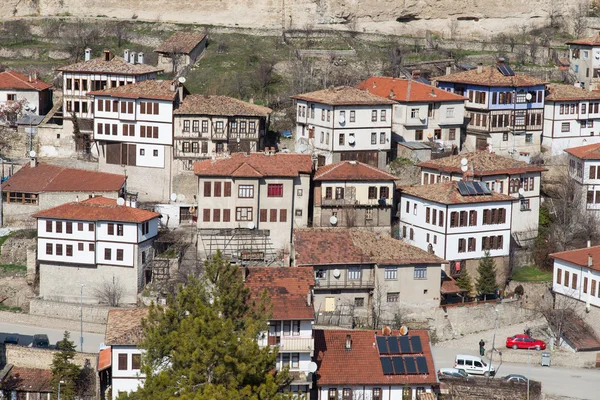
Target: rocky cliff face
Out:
[384,16]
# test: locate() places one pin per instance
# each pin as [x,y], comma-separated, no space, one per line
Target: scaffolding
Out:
[241,246]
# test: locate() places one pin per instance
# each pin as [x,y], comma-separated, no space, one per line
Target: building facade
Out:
[15,86]
[504,110]
[86,245]
[344,123]
[576,274]
[181,51]
[584,60]
[571,118]
[584,170]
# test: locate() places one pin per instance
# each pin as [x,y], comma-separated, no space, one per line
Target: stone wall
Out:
[31,357]
[494,389]
[54,309]
[14,250]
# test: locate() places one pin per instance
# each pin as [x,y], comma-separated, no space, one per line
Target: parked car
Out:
[11,339]
[515,378]
[523,341]
[452,373]
[473,365]
[40,341]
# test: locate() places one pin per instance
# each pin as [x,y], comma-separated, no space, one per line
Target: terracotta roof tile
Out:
[104,359]
[181,42]
[124,327]
[490,76]
[97,209]
[256,165]
[54,178]
[404,90]
[32,380]
[447,193]
[287,287]
[352,171]
[361,365]
[199,104]
[588,152]
[579,257]
[324,246]
[483,163]
[570,93]
[449,285]
[343,95]
[12,80]
[588,41]
[148,89]
[115,65]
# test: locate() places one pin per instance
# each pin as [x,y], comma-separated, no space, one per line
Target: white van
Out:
[473,365]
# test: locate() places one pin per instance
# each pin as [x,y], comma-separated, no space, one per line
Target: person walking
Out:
[481,348]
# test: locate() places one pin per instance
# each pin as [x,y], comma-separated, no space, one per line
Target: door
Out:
[478,367]
[329,304]
[469,367]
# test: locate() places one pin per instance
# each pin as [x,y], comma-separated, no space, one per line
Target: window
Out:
[374,116]
[463,218]
[352,116]
[354,273]
[359,302]
[122,362]
[91,247]
[412,234]
[107,254]
[296,356]
[414,113]
[136,361]
[332,394]
[471,244]
[461,245]
[450,112]
[111,229]
[217,189]
[59,251]
[393,297]
[372,192]
[283,215]
[275,190]
[384,192]
[528,138]
[243,214]
[48,226]
[79,246]
[574,282]
[419,134]
[565,127]
[119,229]
[472,218]
[328,193]
[373,137]
[49,248]
[376,394]
[273,216]
[341,140]
[245,191]
[91,227]
[204,126]
[69,250]
[58,226]
[525,205]
[420,273]
[339,193]
[155,153]
[441,219]
[585,284]
[427,214]
[322,115]
[558,276]
[328,115]
[298,212]
[346,394]
[566,279]
[390,273]
[119,254]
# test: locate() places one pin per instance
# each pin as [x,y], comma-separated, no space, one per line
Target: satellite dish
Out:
[336,273]
[237,140]
[181,79]
[250,225]
[26,107]
[32,107]
[386,331]
[342,120]
[403,330]
[464,161]
[521,192]
[173,196]
[121,201]
[464,168]
[333,220]
[528,96]
[32,154]
[351,140]
[312,367]
[181,197]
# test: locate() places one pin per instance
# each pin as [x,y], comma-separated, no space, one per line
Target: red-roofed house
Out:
[25,383]
[584,170]
[584,59]
[364,364]
[421,112]
[249,204]
[293,315]
[577,274]
[15,87]
[96,243]
[350,193]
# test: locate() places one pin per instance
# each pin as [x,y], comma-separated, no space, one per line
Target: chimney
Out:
[392,94]
[132,57]
[140,58]
[180,87]
[590,261]
[589,243]
[77,198]
[448,70]
[107,55]
[35,75]
[88,54]
[29,77]
[374,84]
[348,342]
[126,55]
[500,60]
[479,68]
[33,162]
[309,298]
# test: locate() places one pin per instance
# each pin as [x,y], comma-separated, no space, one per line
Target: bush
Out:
[519,290]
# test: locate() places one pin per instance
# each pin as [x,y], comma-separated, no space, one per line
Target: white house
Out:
[584,170]
[290,326]
[584,59]
[344,123]
[571,118]
[421,112]
[95,242]
[577,274]
[15,86]
[364,364]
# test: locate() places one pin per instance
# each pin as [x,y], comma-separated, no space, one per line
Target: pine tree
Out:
[64,371]
[464,282]
[203,344]
[486,282]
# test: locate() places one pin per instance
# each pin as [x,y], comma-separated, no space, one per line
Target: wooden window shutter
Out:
[217,189]
[155,109]
[263,215]
[130,107]
[123,107]
[283,215]
[124,154]
[142,107]
[273,217]
[125,130]
[206,215]
[207,189]
[226,215]
[500,242]
[132,151]
[217,215]
[113,153]
[227,189]
[100,105]
[155,132]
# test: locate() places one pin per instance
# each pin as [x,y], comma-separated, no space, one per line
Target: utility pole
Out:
[81,320]
[493,344]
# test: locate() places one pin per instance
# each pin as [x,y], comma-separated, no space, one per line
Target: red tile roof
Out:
[490,76]
[404,90]
[12,80]
[449,286]
[570,93]
[342,95]
[447,193]
[124,327]
[352,171]
[181,43]
[287,287]
[32,380]
[104,359]
[588,41]
[482,163]
[97,209]
[322,246]
[579,257]
[148,89]
[256,165]
[115,65]
[55,178]
[361,365]
[588,152]
[200,104]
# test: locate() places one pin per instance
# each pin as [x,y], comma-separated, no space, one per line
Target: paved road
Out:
[578,383]
[91,341]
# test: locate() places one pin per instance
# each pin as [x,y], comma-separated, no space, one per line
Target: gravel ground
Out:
[51,323]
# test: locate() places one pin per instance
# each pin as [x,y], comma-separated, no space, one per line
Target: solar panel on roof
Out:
[505,70]
[404,344]
[393,344]
[415,341]
[386,365]
[382,345]
[485,188]
[398,365]
[509,70]
[478,188]
[462,189]
[411,366]
[422,365]
[470,188]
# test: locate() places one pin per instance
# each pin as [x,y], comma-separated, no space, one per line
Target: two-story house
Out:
[344,123]
[421,112]
[366,364]
[571,118]
[15,86]
[133,131]
[504,175]
[576,274]
[292,317]
[367,276]
[93,243]
[353,194]
[213,126]
[250,203]
[584,59]
[584,170]
[458,221]
[504,109]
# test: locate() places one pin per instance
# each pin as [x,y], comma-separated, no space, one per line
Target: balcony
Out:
[344,283]
[289,344]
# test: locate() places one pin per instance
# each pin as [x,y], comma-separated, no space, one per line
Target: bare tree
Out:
[110,292]
[501,44]
[395,56]
[17,31]
[579,15]
[453,28]
[561,315]
[533,49]
[78,36]
[555,14]
[121,31]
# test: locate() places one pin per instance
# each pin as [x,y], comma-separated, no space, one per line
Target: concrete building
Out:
[123,334]
[362,364]
[584,170]
[250,203]
[576,274]
[421,113]
[504,110]
[584,60]
[291,323]
[344,123]
[15,86]
[94,243]
[213,126]
[502,175]
[181,50]
[133,133]
[36,187]
[571,118]
[367,277]
[353,194]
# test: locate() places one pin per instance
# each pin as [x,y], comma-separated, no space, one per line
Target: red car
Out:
[525,342]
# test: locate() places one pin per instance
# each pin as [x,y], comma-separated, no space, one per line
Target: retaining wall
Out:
[71,311]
